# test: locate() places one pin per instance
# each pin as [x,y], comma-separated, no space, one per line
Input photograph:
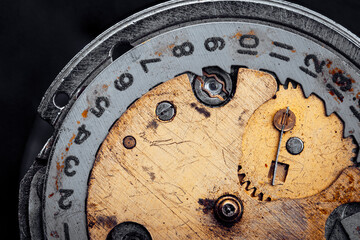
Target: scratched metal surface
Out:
[66,185]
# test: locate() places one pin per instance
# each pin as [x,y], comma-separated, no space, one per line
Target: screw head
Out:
[228,209]
[213,86]
[129,142]
[165,111]
[294,145]
[280,117]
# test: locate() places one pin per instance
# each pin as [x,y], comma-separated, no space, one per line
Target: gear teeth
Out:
[307,92]
[241,178]
[329,110]
[249,187]
[197,72]
[347,131]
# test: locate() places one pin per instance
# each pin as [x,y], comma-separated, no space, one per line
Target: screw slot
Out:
[290,120]
[165,111]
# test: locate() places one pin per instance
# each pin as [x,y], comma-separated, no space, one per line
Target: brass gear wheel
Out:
[325,155]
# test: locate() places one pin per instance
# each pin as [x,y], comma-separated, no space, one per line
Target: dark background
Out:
[37,39]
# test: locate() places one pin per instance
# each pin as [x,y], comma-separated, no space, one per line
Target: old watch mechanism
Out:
[210,119]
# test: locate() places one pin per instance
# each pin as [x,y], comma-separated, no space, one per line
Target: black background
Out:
[37,39]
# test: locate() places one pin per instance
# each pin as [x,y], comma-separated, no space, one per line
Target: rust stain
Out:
[107,221]
[201,110]
[50,195]
[158,53]
[54,234]
[335,70]
[237,35]
[78,122]
[105,87]
[351,179]
[91,224]
[251,32]
[171,46]
[151,174]
[84,114]
[208,204]
[59,167]
[329,63]
[351,79]
[339,71]
[72,138]
[67,148]
[323,211]
[242,114]
[294,51]
[153,124]
[57,183]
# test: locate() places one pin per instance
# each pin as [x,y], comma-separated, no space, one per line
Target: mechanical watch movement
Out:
[212,119]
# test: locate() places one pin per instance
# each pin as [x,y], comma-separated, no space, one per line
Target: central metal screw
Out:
[228,209]
[294,145]
[213,86]
[165,111]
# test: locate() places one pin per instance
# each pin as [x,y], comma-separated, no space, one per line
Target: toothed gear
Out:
[325,155]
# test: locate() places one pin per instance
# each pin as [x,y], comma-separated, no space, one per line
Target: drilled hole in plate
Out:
[119,49]
[61,99]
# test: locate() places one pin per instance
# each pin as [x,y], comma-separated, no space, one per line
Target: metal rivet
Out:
[295,145]
[129,142]
[214,87]
[228,209]
[280,117]
[165,111]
